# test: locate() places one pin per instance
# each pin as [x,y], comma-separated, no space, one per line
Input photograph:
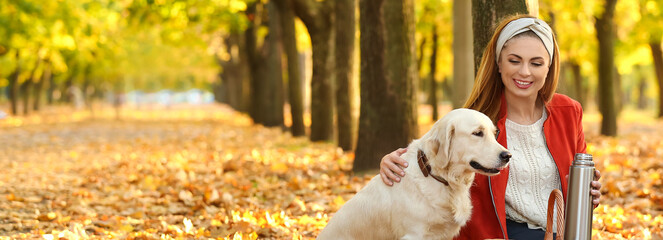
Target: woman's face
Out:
[523,65]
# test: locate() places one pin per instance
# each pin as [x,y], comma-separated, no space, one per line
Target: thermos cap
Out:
[583,159]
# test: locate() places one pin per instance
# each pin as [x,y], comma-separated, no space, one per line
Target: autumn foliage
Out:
[208,172]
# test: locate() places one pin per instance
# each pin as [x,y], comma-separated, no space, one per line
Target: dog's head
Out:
[464,140]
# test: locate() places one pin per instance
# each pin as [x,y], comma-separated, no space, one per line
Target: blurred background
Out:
[310,66]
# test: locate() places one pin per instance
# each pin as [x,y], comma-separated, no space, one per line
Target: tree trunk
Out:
[230,87]
[50,94]
[322,102]
[295,84]
[38,88]
[642,87]
[420,56]
[318,20]
[256,67]
[563,79]
[605,33]
[67,96]
[620,98]
[432,97]
[344,14]
[244,85]
[577,83]
[401,65]
[657,55]
[219,88]
[88,88]
[447,90]
[25,94]
[485,15]
[13,86]
[463,64]
[26,86]
[274,103]
[388,80]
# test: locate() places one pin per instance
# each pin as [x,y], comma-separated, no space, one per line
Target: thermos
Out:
[579,207]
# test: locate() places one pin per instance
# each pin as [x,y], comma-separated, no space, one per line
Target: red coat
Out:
[564,138]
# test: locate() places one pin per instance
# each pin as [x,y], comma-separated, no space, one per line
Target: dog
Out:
[432,201]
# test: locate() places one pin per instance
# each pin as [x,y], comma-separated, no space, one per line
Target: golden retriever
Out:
[432,201]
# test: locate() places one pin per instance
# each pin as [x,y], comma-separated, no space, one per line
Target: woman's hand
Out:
[391,167]
[596,188]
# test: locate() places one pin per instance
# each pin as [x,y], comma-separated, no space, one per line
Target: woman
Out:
[515,86]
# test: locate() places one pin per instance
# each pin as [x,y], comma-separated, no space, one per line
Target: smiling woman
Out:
[523,65]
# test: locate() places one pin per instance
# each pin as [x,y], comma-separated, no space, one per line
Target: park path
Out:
[208,172]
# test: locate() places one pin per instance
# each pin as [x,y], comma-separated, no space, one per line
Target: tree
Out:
[605,33]
[432,96]
[318,18]
[434,18]
[257,74]
[39,86]
[265,64]
[573,24]
[13,85]
[388,80]
[26,86]
[275,101]
[462,51]
[232,86]
[485,15]
[657,55]
[344,13]
[579,93]
[16,32]
[651,15]
[295,91]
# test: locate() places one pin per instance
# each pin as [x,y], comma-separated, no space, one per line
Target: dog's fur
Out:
[458,146]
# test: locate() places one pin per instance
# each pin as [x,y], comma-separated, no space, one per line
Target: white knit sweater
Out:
[532,174]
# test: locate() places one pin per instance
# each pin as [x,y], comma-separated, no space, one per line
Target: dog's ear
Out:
[448,139]
[433,144]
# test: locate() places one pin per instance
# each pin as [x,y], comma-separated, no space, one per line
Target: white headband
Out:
[521,25]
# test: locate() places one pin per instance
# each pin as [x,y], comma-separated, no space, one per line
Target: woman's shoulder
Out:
[561,101]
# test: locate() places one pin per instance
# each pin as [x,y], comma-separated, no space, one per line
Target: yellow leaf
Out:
[127,228]
[47,217]
[280,168]
[253,236]
[338,202]
[215,223]
[138,215]
[237,236]
[73,154]
[149,183]
[299,203]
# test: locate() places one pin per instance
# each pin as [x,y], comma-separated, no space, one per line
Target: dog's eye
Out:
[478,133]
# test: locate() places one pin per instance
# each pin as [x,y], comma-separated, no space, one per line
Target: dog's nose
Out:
[505,156]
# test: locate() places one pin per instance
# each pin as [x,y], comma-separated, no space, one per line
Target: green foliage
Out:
[141,44]
[435,15]
[151,44]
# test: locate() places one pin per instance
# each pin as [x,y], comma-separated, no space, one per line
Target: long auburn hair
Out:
[488,87]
